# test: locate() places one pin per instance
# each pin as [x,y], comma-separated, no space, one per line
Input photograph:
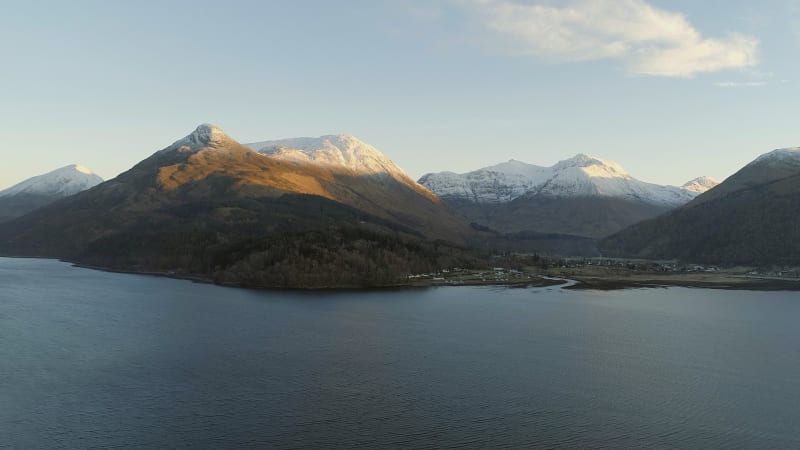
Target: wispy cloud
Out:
[750,78]
[740,84]
[646,39]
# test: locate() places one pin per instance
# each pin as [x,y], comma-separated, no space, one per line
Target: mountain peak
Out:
[71,169]
[582,160]
[772,166]
[592,166]
[311,145]
[338,152]
[63,181]
[515,168]
[81,169]
[580,176]
[789,154]
[700,184]
[343,138]
[333,150]
[205,135]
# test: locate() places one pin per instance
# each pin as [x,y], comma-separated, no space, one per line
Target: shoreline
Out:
[564,281]
[721,281]
[572,280]
[536,280]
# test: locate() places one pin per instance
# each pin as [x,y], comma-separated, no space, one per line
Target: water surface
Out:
[95,359]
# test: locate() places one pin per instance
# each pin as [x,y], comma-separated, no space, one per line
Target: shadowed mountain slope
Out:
[750,218]
[583,195]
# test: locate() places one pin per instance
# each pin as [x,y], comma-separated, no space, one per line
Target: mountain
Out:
[65,181]
[209,207]
[339,152]
[579,176]
[750,218]
[700,184]
[41,190]
[583,195]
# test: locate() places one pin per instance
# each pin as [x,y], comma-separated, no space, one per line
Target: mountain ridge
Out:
[583,196]
[750,218]
[342,152]
[580,175]
[208,207]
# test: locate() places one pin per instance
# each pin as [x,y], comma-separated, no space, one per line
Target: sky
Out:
[671,90]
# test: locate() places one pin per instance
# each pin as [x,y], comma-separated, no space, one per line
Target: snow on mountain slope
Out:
[700,184]
[342,152]
[769,167]
[62,182]
[496,184]
[205,135]
[581,175]
[790,155]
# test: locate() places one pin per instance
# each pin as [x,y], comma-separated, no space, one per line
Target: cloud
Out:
[751,78]
[740,84]
[646,39]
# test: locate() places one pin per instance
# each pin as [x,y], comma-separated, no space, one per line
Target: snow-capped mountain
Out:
[495,184]
[42,190]
[342,152]
[769,167]
[579,176]
[781,156]
[339,168]
[233,204]
[700,184]
[204,136]
[61,182]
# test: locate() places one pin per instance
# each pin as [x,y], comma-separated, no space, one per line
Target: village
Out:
[648,266]
[607,273]
[469,277]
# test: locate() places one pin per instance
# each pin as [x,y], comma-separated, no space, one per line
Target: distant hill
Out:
[209,207]
[42,190]
[583,196]
[750,218]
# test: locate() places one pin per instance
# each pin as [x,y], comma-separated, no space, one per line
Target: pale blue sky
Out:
[669,89]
